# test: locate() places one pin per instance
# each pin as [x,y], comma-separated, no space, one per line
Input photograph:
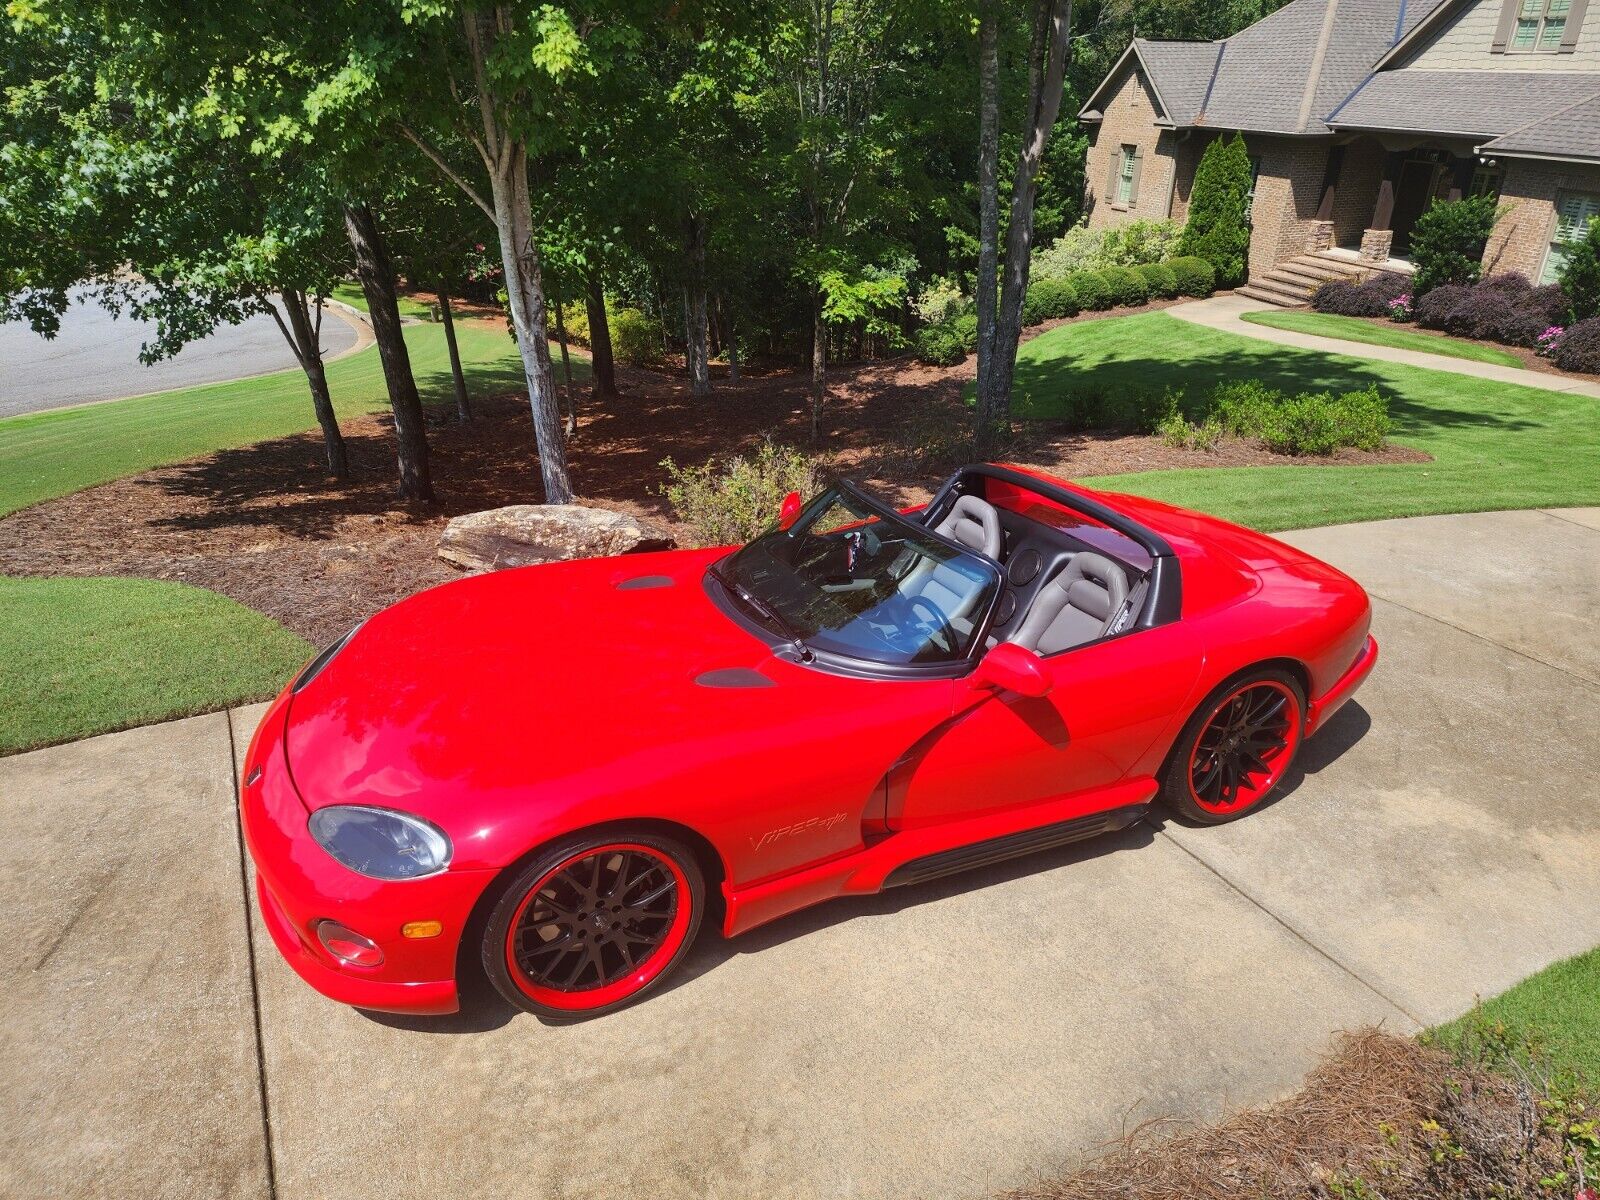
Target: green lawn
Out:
[1495,446]
[1378,333]
[85,656]
[1557,1012]
[349,292]
[48,454]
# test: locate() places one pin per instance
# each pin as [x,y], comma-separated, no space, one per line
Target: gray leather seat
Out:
[975,524]
[1075,607]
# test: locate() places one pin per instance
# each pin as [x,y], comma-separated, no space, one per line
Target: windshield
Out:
[852,579]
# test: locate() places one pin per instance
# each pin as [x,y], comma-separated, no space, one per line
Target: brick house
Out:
[1358,114]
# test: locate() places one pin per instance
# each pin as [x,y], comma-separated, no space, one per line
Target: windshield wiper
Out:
[764,609]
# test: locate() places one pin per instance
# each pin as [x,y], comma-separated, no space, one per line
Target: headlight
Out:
[381,843]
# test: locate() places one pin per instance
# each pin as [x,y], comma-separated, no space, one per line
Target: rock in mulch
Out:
[520,534]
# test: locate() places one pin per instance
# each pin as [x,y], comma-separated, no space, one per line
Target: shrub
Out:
[1140,410]
[940,345]
[966,328]
[1579,348]
[1049,300]
[1194,276]
[1580,274]
[1448,239]
[1091,289]
[1218,229]
[734,500]
[1371,298]
[942,300]
[1177,430]
[1310,423]
[635,338]
[1434,309]
[1159,280]
[1125,286]
[1085,249]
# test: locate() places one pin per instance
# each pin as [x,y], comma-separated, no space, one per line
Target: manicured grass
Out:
[1557,1012]
[1495,446]
[349,292]
[48,454]
[1379,333]
[86,656]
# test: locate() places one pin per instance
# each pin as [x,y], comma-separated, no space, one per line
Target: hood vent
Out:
[733,677]
[644,581]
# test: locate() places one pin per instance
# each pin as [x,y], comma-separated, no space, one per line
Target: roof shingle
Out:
[1467,103]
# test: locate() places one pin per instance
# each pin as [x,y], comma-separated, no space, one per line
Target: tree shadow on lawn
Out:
[1045,387]
[483,1009]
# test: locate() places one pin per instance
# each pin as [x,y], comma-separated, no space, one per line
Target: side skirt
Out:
[1014,845]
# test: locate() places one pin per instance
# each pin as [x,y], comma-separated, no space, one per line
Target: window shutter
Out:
[1502,31]
[1138,166]
[1113,166]
[1569,35]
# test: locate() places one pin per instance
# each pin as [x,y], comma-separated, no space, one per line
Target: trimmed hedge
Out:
[1194,276]
[1091,289]
[1159,280]
[1503,308]
[1370,298]
[1049,300]
[1126,286]
[1579,348]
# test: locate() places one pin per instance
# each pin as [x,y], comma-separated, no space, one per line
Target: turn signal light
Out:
[422,929]
[348,946]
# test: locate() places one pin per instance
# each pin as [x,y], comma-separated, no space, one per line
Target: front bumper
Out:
[1325,705]
[299,884]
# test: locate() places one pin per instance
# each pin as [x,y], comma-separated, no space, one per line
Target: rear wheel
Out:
[593,923]
[1236,748]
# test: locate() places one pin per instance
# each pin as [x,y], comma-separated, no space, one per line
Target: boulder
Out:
[520,534]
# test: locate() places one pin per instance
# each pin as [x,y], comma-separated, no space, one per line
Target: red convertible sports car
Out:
[553,774]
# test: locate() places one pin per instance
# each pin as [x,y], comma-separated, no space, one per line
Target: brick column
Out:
[1376,244]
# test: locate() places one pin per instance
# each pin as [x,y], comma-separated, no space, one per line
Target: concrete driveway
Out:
[1440,842]
[95,356]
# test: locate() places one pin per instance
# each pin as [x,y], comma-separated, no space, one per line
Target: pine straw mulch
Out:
[263,525]
[1382,1118]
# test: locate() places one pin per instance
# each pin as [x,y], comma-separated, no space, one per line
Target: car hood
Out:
[540,677]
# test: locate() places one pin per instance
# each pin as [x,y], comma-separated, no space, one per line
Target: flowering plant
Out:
[1400,307]
[1546,341]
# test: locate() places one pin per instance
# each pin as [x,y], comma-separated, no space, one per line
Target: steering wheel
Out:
[928,619]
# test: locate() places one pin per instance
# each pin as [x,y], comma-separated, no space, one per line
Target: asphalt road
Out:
[1437,841]
[96,357]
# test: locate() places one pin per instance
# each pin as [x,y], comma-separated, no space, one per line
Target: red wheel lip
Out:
[1278,762]
[636,980]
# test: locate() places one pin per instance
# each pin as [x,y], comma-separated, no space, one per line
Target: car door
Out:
[1108,703]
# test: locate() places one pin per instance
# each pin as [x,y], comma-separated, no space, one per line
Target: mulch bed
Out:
[263,525]
[1382,1118]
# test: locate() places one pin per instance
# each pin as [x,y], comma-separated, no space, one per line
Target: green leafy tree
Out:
[1218,228]
[1580,274]
[1448,239]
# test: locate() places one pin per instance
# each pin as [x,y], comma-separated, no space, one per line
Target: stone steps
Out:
[1291,283]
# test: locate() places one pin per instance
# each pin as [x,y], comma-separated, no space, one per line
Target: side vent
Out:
[644,581]
[733,677]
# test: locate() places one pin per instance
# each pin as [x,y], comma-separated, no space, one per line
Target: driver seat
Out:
[972,523]
[1075,607]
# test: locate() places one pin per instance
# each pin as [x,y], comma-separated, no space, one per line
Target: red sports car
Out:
[556,772]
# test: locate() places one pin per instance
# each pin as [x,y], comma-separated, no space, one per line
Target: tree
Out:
[1218,228]
[1448,239]
[1580,273]
[999,335]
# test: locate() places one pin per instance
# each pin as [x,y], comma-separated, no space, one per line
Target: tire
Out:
[1247,733]
[593,923]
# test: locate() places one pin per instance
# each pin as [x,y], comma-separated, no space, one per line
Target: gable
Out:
[1462,36]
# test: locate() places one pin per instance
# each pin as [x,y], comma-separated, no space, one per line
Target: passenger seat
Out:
[1075,607]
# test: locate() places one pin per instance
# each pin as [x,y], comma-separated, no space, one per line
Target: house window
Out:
[1540,24]
[1255,176]
[1574,211]
[1125,175]
[1485,181]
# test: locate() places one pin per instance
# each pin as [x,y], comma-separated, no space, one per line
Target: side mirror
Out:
[789,511]
[1014,669]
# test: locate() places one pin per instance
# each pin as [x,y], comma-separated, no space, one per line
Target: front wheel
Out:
[593,923]
[1236,748]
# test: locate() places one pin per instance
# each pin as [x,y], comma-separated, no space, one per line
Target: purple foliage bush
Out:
[1579,348]
[1503,308]
[1435,307]
[1370,299]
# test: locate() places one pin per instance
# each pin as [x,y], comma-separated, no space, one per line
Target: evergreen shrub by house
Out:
[1580,275]
[1218,228]
[1448,239]
[1125,286]
[1049,300]
[1159,279]
[1091,289]
[1194,276]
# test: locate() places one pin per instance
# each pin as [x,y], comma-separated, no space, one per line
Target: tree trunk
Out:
[602,365]
[303,340]
[1047,67]
[383,307]
[732,345]
[463,405]
[525,289]
[566,371]
[988,213]
[819,364]
[696,337]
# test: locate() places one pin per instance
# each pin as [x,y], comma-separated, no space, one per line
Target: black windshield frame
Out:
[826,658]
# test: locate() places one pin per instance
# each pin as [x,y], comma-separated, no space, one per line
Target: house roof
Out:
[1466,103]
[1280,75]
[1571,133]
